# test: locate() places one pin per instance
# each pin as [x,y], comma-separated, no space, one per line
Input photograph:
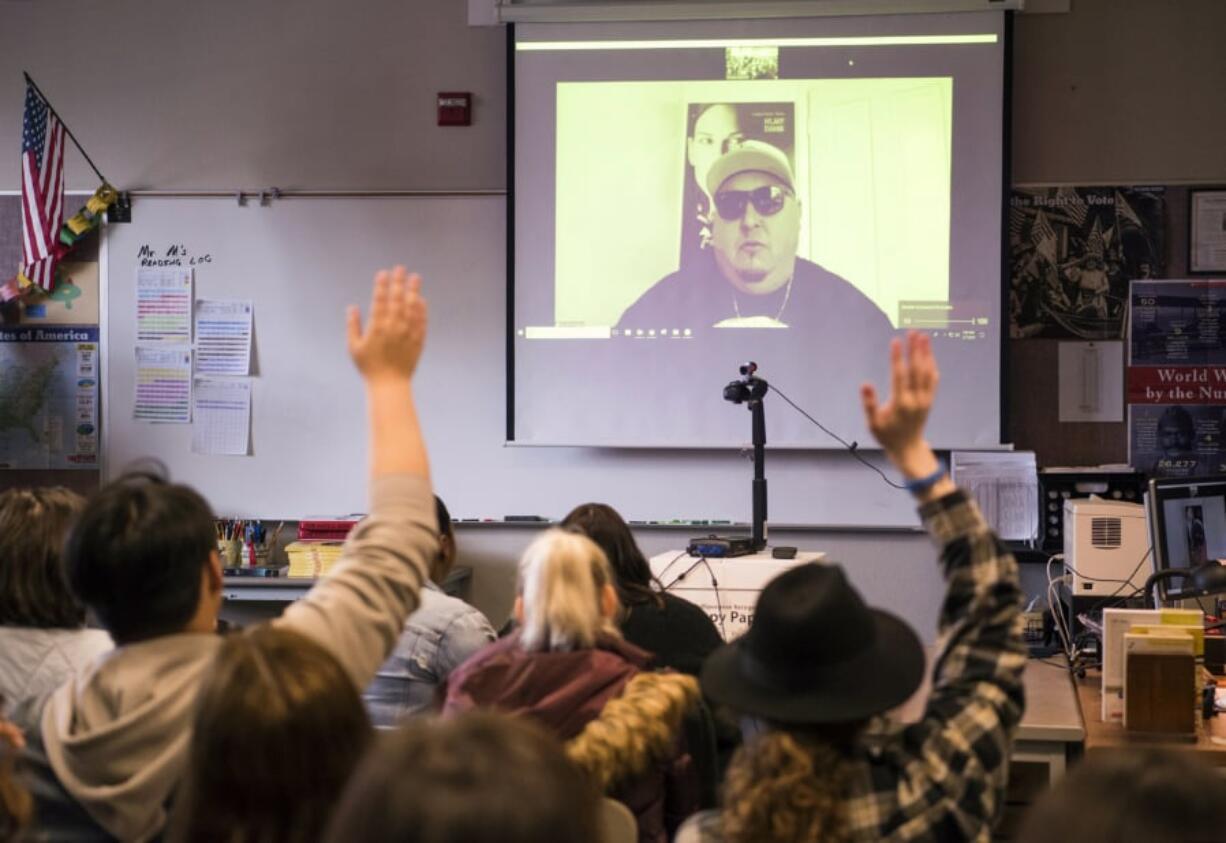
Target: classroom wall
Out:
[1116,92]
[181,95]
[172,94]
[1120,92]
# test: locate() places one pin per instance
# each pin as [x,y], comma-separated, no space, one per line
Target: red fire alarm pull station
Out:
[455,108]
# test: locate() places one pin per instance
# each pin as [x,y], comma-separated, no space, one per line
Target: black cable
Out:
[852,447]
[1075,663]
[1136,568]
[1124,583]
[660,576]
[1136,592]
[1112,599]
[719,606]
[686,572]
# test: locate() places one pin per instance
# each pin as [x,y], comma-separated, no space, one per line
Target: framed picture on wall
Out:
[1207,231]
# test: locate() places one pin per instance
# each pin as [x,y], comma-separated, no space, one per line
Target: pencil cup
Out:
[231,551]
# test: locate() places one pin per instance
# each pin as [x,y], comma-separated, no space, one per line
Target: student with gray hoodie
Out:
[43,637]
[113,742]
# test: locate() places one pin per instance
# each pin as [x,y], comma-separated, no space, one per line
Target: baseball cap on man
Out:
[750,156]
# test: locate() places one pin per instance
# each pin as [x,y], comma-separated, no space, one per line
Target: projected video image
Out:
[692,195]
[713,130]
[731,204]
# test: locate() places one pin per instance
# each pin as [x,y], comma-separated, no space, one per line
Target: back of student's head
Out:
[33,586]
[136,554]
[786,785]
[1138,796]
[443,517]
[566,591]
[604,525]
[446,542]
[478,778]
[278,732]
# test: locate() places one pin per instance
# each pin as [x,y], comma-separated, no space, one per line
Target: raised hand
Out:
[898,424]
[391,343]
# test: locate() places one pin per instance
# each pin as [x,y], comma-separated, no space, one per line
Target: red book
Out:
[335,529]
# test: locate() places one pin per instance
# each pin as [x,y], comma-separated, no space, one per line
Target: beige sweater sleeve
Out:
[358,611]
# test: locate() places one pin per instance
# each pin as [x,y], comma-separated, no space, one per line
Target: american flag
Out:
[42,190]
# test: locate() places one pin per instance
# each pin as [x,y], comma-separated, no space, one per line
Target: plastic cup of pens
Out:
[231,552]
[245,544]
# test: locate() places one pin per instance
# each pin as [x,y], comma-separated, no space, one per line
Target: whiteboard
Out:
[301,261]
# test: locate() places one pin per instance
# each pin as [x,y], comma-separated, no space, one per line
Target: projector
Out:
[721,546]
[1105,545]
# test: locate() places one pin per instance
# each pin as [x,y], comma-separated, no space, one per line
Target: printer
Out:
[1106,543]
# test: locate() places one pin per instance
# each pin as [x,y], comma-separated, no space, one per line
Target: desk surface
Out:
[1052,709]
[1053,712]
[1108,737]
[285,589]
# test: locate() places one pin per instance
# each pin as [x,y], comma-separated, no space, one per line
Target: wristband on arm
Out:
[923,484]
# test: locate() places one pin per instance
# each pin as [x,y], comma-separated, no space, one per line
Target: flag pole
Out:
[67,130]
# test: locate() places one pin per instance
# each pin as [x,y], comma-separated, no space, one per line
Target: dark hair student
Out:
[279,730]
[602,524]
[137,553]
[678,633]
[33,588]
[1139,796]
[479,778]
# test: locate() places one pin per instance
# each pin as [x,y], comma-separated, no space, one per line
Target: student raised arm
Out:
[818,665]
[358,611]
[386,352]
[112,743]
[962,742]
[898,424]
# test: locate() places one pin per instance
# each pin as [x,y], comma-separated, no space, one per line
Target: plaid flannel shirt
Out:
[943,778]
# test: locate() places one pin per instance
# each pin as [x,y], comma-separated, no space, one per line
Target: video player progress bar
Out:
[568,332]
[942,323]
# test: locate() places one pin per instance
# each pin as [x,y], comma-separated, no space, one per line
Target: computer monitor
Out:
[1187,526]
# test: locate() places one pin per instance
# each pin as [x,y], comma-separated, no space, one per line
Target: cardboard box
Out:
[1160,688]
[1116,624]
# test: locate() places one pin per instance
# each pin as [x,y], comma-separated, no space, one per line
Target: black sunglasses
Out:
[767,201]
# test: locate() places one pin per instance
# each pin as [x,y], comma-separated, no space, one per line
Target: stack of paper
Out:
[312,559]
[1005,484]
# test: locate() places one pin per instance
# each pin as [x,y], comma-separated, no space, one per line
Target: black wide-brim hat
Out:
[816,654]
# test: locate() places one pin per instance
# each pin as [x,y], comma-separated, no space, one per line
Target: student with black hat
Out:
[818,664]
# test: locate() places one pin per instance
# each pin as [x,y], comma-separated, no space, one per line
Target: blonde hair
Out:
[561,579]
[779,789]
[634,730]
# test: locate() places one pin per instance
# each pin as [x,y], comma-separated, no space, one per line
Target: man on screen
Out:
[751,277]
